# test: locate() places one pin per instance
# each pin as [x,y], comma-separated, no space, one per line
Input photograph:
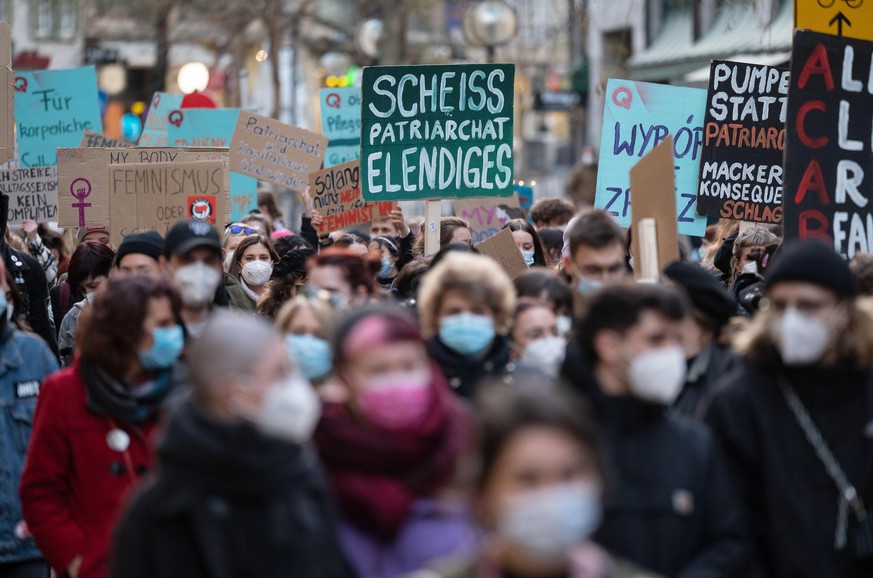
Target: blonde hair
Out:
[478,278]
[290,310]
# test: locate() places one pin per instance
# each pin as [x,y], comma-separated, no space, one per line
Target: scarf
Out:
[115,398]
[377,474]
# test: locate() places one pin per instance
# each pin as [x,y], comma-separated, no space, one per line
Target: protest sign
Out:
[653,191]
[7,98]
[100,141]
[274,152]
[525,196]
[637,117]
[54,108]
[435,132]
[828,145]
[213,128]
[154,132]
[744,139]
[486,216]
[853,18]
[502,248]
[32,192]
[341,123]
[336,194]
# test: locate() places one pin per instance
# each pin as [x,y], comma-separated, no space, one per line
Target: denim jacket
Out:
[25,360]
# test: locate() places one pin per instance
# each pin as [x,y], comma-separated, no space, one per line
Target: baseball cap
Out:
[185,236]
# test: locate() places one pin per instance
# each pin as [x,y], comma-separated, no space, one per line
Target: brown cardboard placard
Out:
[7,95]
[32,192]
[336,194]
[274,152]
[486,215]
[503,249]
[93,140]
[653,196]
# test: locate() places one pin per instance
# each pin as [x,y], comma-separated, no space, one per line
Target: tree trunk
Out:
[275,37]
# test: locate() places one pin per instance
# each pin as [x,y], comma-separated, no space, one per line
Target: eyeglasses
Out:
[240,229]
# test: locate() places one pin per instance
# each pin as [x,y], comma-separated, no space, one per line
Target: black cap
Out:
[813,262]
[146,243]
[707,294]
[185,236]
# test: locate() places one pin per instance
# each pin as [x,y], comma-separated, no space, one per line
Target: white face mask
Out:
[290,410]
[657,376]
[197,283]
[564,323]
[751,267]
[547,523]
[546,353]
[802,340]
[228,261]
[256,273]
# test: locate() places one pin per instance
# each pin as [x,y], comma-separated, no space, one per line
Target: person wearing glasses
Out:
[251,268]
[233,236]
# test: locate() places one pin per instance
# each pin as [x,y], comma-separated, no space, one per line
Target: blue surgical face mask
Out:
[467,333]
[166,349]
[311,353]
[387,268]
[528,258]
[588,287]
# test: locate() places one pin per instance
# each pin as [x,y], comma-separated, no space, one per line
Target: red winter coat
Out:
[73,486]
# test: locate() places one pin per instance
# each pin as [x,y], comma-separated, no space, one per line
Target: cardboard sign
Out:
[7,96]
[95,140]
[486,216]
[213,128]
[153,196]
[744,140]
[637,117]
[54,108]
[274,152]
[436,132]
[852,18]
[32,192]
[828,148]
[336,194]
[341,123]
[154,132]
[652,187]
[503,249]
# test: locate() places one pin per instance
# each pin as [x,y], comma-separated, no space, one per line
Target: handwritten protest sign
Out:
[54,108]
[637,117]
[502,248]
[32,192]
[486,216]
[7,98]
[744,139]
[828,145]
[275,152]
[336,194]
[154,132]
[433,132]
[213,128]
[95,140]
[525,196]
[341,123]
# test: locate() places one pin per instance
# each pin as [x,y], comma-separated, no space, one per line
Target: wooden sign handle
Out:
[432,214]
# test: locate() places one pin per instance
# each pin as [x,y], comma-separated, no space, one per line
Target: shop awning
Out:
[701,75]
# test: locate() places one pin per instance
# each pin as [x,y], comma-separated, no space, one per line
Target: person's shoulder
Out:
[448,568]
[30,343]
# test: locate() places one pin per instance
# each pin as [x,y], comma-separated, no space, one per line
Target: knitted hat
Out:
[812,262]
[85,231]
[147,243]
[294,261]
[707,295]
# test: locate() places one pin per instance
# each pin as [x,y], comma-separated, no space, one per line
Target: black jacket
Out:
[670,506]
[465,373]
[229,502]
[791,503]
[709,367]
[31,282]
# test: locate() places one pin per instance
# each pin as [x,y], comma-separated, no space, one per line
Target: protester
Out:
[93,425]
[251,267]
[595,253]
[25,360]
[352,243]
[539,286]
[388,250]
[794,421]
[193,251]
[306,325]
[58,248]
[536,339]
[289,276]
[391,448]
[142,254]
[862,269]
[97,234]
[39,251]
[406,284]
[671,507]
[258,221]
[528,242]
[270,209]
[551,213]
[538,489]
[345,277]
[466,303]
[553,244]
[751,252]
[452,230]
[233,236]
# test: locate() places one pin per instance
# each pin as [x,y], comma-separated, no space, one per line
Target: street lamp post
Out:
[489,24]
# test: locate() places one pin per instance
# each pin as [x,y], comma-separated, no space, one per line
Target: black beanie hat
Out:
[706,293]
[147,242]
[813,262]
[294,261]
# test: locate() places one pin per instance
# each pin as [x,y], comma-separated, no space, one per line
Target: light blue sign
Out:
[213,128]
[154,133]
[341,123]
[54,108]
[636,118]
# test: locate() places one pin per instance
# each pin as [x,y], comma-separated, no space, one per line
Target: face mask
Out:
[547,354]
[546,524]
[290,410]
[387,268]
[751,267]
[311,353]
[165,350]
[564,323]
[657,376]
[89,297]
[467,333]
[398,401]
[588,287]
[197,284]
[256,273]
[528,258]
[802,340]
[228,261]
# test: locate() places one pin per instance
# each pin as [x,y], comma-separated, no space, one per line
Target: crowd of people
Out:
[274,403]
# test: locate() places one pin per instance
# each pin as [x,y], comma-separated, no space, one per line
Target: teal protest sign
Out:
[434,132]
[54,108]
[341,123]
[213,128]
[637,117]
[154,133]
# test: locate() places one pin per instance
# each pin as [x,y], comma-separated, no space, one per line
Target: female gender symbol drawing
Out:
[80,189]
